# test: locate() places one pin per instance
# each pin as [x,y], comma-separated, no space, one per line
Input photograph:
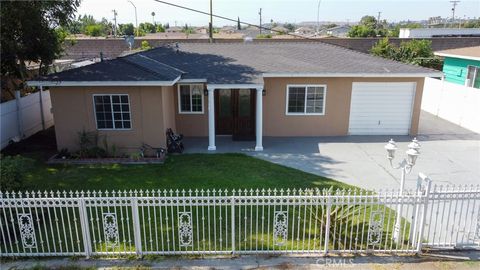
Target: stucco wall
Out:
[154,109]
[191,124]
[277,123]
[337,107]
[73,112]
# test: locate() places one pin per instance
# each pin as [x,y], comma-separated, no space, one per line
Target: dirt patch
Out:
[42,145]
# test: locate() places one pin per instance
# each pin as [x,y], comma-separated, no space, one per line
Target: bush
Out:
[13,170]
[264,36]
[88,144]
[94,30]
[145,45]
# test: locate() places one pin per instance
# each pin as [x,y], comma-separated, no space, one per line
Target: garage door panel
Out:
[381,108]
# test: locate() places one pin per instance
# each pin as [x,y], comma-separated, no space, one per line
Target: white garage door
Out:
[381,108]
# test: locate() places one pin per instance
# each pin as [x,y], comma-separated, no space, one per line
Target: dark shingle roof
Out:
[131,68]
[238,63]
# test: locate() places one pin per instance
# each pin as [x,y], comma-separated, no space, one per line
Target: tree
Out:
[28,33]
[416,52]
[369,21]
[126,29]
[289,26]
[160,28]
[362,31]
[147,27]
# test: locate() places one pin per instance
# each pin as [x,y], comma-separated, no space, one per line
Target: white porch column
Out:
[259,119]
[211,119]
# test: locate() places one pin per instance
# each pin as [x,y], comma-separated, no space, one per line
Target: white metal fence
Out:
[24,116]
[236,222]
[452,102]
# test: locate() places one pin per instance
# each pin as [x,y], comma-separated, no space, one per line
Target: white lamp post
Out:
[406,166]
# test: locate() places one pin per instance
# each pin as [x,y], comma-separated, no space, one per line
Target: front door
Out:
[235,113]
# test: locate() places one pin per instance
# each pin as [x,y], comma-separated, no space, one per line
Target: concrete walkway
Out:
[441,261]
[449,155]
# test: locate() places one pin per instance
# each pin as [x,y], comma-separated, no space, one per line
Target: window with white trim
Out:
[112,111]
[306,99]
[472,75]
[190,98]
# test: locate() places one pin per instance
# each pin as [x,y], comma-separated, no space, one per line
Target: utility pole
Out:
[454,4]
[114,22]
[210,24]
[318,15]
[260,13]
[378,19]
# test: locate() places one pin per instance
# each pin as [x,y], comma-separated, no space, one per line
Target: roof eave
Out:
[355,75]
[457,56]
[102,83]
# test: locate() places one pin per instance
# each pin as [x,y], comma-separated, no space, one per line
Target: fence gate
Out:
[238,221]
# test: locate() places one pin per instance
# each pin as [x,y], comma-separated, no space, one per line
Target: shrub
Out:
[94,30]
[145,45]
[13,170]
[264,36]
[88,143]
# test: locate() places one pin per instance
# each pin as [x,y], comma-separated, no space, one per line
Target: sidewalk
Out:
[443,261]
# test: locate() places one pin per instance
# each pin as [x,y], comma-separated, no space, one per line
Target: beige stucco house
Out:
[242,90]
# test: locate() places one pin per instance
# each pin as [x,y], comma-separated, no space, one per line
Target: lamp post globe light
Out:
[405,166]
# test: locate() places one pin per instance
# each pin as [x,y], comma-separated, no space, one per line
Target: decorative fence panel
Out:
[237,222]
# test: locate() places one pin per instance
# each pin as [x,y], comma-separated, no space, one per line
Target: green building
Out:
[462,66]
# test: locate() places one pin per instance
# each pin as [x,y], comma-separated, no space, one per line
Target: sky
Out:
[294,11]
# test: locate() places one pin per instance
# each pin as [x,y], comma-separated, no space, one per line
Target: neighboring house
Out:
[174,29]
[304,30]
[227,30]
[244,90]
[462,66]
[279,30]
[338,31]
[438,32]
[201,30]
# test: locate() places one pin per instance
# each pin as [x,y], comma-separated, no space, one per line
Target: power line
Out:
[229,19]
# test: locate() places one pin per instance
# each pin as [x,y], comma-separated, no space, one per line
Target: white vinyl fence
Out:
[25,116]
[237,222]
[455,103]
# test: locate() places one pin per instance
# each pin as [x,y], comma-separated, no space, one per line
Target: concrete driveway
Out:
[449,155]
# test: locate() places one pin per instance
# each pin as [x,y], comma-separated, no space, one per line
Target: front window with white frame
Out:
[112,111]
[306,99]
[190,98]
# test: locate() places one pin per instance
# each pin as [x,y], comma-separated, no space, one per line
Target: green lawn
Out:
[186,171]
[231,171]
